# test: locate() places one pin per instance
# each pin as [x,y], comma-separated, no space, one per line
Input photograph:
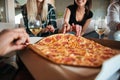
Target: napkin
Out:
[110,69]
[34,39]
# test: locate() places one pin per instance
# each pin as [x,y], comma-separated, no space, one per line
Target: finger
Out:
[17,47]
[73,27]
[46,30]
[48,27]
[64,28]
[68,27]
[22,37]
[73,24]
[52,29]
[78,30]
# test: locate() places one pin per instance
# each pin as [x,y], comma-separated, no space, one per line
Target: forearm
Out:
[85,26]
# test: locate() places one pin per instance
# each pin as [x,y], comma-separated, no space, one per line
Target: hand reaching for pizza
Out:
[77,28]
[66,28]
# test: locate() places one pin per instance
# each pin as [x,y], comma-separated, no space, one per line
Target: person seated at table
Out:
[40,8]
[77,17]
[113,18]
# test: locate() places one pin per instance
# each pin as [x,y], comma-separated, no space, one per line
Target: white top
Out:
[113,16]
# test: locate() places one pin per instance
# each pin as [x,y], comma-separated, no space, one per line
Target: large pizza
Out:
[71,50]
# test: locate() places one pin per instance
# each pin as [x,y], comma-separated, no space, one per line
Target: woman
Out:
[77,17]
[35,8]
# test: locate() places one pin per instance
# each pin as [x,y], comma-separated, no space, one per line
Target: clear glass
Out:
[100,27]
[35,26]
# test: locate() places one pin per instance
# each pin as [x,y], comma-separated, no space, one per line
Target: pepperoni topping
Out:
[67,37]
[64,43]
[48,40]
[56,44]
[78,40]
[58,37]
[71,50]
[68,59]
[92,59]
[105,57]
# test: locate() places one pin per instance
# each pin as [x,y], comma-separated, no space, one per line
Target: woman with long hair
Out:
[40,8]
[77,17]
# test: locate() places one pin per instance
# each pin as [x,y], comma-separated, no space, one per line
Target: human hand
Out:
[49,28]
[13,39]
[77,28]
[66,28]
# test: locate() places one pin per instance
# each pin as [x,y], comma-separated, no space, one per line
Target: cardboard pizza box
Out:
[42,69]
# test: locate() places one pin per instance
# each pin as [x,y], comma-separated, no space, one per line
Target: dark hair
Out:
[88,5]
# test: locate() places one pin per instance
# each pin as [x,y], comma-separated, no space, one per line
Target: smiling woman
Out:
[77,16]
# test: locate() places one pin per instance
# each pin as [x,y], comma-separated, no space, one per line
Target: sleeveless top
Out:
[73,16]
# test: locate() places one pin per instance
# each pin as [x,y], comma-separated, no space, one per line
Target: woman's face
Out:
[80,2]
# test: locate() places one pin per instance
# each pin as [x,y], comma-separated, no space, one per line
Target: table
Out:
[42,69]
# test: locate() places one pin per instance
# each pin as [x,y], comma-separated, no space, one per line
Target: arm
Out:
[66,25]
[113,17]
[52,20]
[67,15]
[85,26]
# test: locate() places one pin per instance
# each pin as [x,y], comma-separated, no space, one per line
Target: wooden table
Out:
[42,69]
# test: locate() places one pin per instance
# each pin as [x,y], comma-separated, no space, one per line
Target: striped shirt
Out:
[51,20]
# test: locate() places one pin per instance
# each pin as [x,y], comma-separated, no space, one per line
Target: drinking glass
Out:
[35,26]
[100,27]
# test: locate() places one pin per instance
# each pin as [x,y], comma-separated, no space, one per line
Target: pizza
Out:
[71,50]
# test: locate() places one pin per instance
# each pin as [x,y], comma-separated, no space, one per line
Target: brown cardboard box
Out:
[42,69]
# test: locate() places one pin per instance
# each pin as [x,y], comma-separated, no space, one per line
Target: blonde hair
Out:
[32,10]
[52,2]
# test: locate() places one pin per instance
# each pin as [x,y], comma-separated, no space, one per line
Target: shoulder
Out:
[50,6]
[114,5]
[89,14]
[51,9]
[70,6]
